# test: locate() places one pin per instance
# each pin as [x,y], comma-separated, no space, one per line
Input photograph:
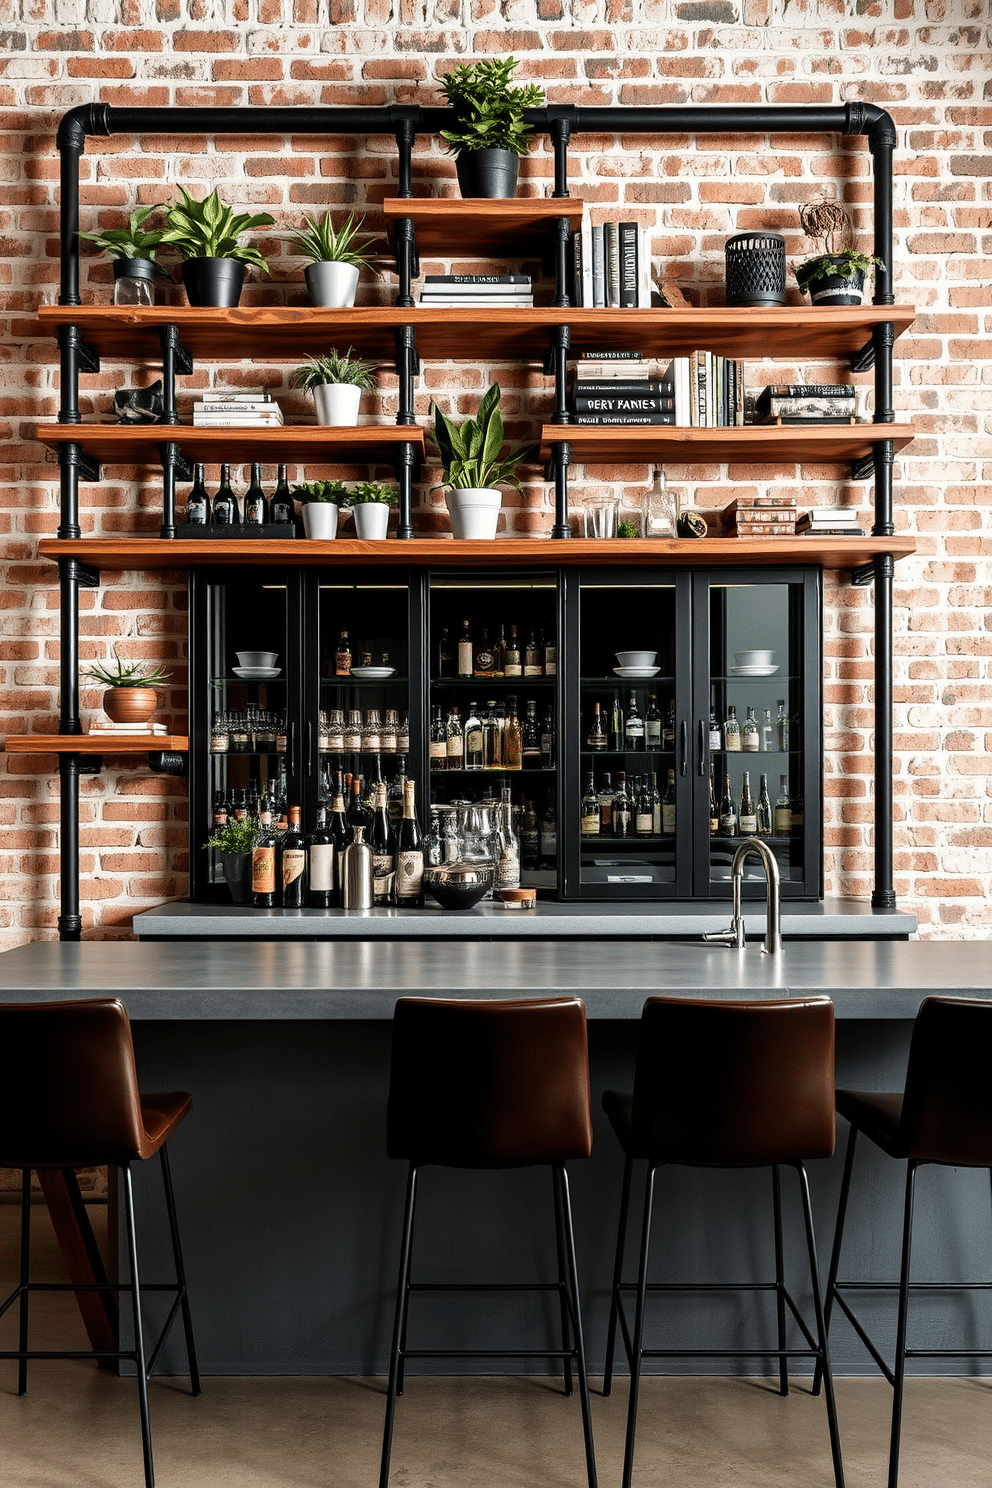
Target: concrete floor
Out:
[78,1426]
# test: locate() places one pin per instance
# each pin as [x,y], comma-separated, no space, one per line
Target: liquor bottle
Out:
[389,731]
[616,733]
[394,796]
[513,737]
[668,807]
[548,830]
[473,739]
[728,811]
[596,737]
[656,806]
[282,508]
[589,819]
[320,864]
[606,804]
[454,739]
[643,815]
[403,735]
[464,657]
[551,656]
[507,847]
[513,663]
[409,855]
[225,511]
[714,812]
[483,655]
[293,864]
[492,736]
[198,502]
[548,738]
[382,840]
[747,824]
[342,656]
[782,816]
[652,724]
[622,823]
[499,651]
[732,732]
[256,501]
[265,811]
[530,844]
[240,805]
[372,735]
[750,733]
[782,724]
[716,739]
[353,731]
[798,814]
[263,870]
[219,815]
[438,741]
[668,731]
[764,809]
[532,736]
[445,658]
[357,813]
[533,657]
[768,733]
[634,726]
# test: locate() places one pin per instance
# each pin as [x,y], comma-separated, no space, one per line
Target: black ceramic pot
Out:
[237,872]
[213,281]
[490,173]
[828,288]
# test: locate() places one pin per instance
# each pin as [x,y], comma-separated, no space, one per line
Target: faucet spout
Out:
[773,901]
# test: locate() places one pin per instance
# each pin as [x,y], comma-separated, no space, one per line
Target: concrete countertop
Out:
[360,980]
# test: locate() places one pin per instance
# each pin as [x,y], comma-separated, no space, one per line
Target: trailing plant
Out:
[132,241]
[489,111]
[236,836]
[372,491]
[210,229]
[472,454]
[829,225]
[334,367]
[334,492]
[128,674]
[321,242]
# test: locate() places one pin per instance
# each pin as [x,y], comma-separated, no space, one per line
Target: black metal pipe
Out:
[69,458]
[70,926]
[883,894]
[561,457]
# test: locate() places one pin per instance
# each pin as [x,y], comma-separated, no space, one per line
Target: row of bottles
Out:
[499,655]
[755,816]
[751,737]
[255,509]
[493,737]
[347,657]
[628,730]
[248,731]
[368,733]
[637,810]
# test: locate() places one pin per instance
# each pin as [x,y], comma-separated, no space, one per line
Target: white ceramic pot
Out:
[371,519]
[337,403]
[333,285]
[320,519]
[474,512]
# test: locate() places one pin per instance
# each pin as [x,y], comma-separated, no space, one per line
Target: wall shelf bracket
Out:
[862,470]
[70,569]
[864,360]
[71,457]
[556,366]
[168,762]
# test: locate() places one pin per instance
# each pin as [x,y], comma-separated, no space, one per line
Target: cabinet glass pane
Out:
[627,734]
[756,749]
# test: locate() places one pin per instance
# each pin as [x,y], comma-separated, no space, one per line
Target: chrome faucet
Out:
[734,936]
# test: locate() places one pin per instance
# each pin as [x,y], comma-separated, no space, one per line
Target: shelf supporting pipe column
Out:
[883,893]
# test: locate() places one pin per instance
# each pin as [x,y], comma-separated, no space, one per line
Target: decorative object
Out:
[336,258]
[474,512]
[755,269]
[257,658]
[459,885]
[370,503]
[660,511]
[235,842]
[471,463]
[133,251]
[139,405]
[131,695]
[836,276]
[671,296]
[691,524]
[319,503]
[490,132]
[599,516]
[208,235]
[337,382]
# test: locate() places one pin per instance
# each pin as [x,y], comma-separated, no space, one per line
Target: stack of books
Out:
[611,266]
[807,403]
[104,726]
[761,516]
[459,291]
[257,410]
[619,387]
[830,521]
[709,390]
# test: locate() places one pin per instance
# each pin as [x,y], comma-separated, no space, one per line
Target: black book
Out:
[623,387]
[615,419]
[624,403]
[628,265]
[802,390]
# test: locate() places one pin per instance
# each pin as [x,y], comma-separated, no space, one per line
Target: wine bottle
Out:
[382,840]
[409,855]
[198,502]
[750,734]
[320,864]
[621,815]
[293,864]
[782,817]
[596,737]
[282,507]
[454,741]
[465,655]
[668,807]
[533,657]
[444,659]
[589,819]
[225,511]
[732,732]
[764,809]
[438,741]
[513,665]
[474,758]
[748,820]
[606,804]
[715,736]
[548,738]
[652,724]
[263,870]
[714,810]
[616,726]
[357,814]
[256,501]
[634,726]
[728,811]
[643,816]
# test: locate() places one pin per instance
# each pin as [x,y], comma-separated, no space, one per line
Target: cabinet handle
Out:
[684,746]
[309,766]
[702,748]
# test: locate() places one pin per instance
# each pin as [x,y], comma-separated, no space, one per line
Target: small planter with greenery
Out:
[490,132]
[473,466]
[133,251]
[208,235]
[131,695]
[235,841]
[319,501]
[837,275]
[336,258]
[370,502]
[337,382]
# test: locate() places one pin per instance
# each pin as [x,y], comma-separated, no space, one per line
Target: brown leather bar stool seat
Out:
[725,1085]
[491,1084]
[69,1099]
[943,1116]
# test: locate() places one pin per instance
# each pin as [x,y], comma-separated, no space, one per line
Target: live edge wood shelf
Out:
[97,743]
[129,444]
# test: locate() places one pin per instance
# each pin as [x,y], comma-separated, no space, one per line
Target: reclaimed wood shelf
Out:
[96,743]
[503,554]
[450,227]
[789,444]
[316,444]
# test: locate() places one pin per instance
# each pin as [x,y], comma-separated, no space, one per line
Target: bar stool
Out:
[491,1084]
[944,1116]
[725,1085]
[69,1099]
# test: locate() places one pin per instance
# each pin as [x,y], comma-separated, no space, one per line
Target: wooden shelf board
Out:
[120,554]
[455,228]
[267,333]
[788,444]
[125,444]
[97,743]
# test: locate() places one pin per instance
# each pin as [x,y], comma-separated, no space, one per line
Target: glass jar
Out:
[134,281]
[335,731]
[372,732]
[219,738]
[353,731]
[403,736]
[389,731]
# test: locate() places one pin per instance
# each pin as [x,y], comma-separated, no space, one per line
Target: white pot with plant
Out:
[337,383]
[336,257]
[490,132]
[208,235]
[836,276]
[133,251]
[473,467]
[319,502]
[370,503]
[131,695]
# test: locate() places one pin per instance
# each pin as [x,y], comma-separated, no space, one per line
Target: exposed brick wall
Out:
[928,63]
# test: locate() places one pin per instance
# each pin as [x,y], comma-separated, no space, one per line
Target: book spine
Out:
[811,406]
[598,266]
[612,266]
[808,390]
[583,404]
[628,265]
[477,279]
[246,407]
[610,355]
[615,419]
[577,298]
[616,387]
[644,268]
[586,231]
[214,398]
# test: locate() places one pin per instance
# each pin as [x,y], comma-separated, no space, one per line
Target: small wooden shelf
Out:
[786,444]
[98,743]
[316,444]
[477,228]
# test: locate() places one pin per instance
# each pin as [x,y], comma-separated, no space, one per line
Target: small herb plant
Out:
[489,111]
[472,455]
[321,242]
[210,229]
[627,528]
[132,241]
[236,836]
[334,492]
[829,225]
[371,491]
[333,367]
[128,674]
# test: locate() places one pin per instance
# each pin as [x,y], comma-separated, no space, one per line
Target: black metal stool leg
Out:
[899,1371]
[576,1310]
[399,1323]
[845,1189]
[821,1328]
[139,1340]
[638,1339]
[611,1332]
[22,1335]
[177,1255]
[563,1282]
[783,1362]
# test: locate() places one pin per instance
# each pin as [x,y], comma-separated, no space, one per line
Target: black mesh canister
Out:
[756,269]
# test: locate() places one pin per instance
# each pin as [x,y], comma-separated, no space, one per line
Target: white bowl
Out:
[753,658]
[637,658]
[258,658]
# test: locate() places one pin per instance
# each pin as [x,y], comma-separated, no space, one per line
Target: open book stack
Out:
[619,387]
[256,410]
[830,521]
[461,291]
[761,516]
[807,403]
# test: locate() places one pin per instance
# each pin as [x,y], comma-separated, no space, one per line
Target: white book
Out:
[586,234]
[104,726]
[644,268]
[240,407]
[258,396]
[236,421]
[467,302]
[615,371]
[677,373]
[598,266]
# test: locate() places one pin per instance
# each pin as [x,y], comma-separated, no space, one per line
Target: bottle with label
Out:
[551,656]
[382,840]
[357,814]
[782,726]
[225,511]
[394,796]
[782,814]
[474,758]
[342,656]
[499,651]
[532,736]
[513,737]
[764,809]
[483,655]
[798,814]
[596,737]
[656,805]
[492,736]
[548,847]
[513,663]
[716,739]
[409,855]
[616,731]
[634,726]
[548,738]
[256,501]
[219,817]
[652,724]
[264,893]
[389,728]
[714,810]
[622,816]
[750,733]
[728,811]
[606,804]
[529,838]
[265,814]
[454,741]
[643,815]
[403,735]
[769,734]
[507,848]
[668,807]
[668,731]
[282,508]
[353,731]
[321,867]
[372,732]
[747,823]
[293,864]
[198,502]
[445,658]
[589,819]
[732,732]
[438,741]
[533,657]
[464,656]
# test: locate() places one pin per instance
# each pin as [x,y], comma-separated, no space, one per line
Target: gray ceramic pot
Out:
[489,173]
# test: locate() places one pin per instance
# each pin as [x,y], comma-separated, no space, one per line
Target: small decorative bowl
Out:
[459,885]
[637,658]
[754,658]
[257,658]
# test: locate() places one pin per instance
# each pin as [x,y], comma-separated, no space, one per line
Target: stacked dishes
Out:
[636,665]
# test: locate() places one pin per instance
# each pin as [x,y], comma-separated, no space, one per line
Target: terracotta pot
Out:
[130,704]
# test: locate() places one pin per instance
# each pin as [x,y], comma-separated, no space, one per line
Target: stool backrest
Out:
[735,1082]
[489,1083]
[947,1107]
[69,1092]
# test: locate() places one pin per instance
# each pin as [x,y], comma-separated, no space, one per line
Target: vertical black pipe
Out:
[561,456]
[405,253]
[169,341]
[405,456]
[69,647]
[70,925]
[405,136]
[70,151]
[170,458]
[560,131]
[563,240]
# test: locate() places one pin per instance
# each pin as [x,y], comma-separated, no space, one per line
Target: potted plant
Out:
[131,696]
[490,132]
[208,235]
[337,383]
[370,503]
[319,501]
[836,276]
[132,250]
[473,467]
[336,257]
[235,841]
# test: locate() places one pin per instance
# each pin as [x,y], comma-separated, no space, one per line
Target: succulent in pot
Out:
[336,258]
[131,695]
[473,466]
[133,251]
[235,841]
[490,132]
[319,501]
[370,502]
[337,382]
[836,276]
[208,234]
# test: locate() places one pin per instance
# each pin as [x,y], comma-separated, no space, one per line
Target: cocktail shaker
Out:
[356,872]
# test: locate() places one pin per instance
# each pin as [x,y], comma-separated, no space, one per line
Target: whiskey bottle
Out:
[483,656]
[668,807]
[198,502]
[530,845]
[634,727]
[342,656]
[596,737]
[225,511]
[256,501]
[548,847]
[513,737]
[714,811]
[321,865]
[438,742]
[768,733]
[589,818]
[748,821]
[728,811]
[533,657]
[782,725]
[383,843]
[764,809]
[444,660]
[473,740]
[616,733]
[409,855]
[715,735]
[668,731]
[282,508]
[532,736]
[643,815]
[464,657]
[454,739]
[551,656]
[492,736]
[652,724]
[622,822]
[263,870]
[548,738]
[513,665]
[732,732]
[293,864]
[782,816]
[656,805]
[499,652]
[507,850]
[750,734]
[606,804]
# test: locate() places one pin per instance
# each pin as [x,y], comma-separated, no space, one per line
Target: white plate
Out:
[372,674]
[256,674]
[631,674]
[754,671]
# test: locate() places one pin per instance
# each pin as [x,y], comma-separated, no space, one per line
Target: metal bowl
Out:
[459,885]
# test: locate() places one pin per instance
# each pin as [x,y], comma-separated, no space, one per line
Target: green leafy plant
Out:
[830,225]
[372,491]
[128,674]
[321,242]
[489,111]
[236,836]
[332,491]
[627,528]
[132,241]
[472,455]
[334,367]
[210,229]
